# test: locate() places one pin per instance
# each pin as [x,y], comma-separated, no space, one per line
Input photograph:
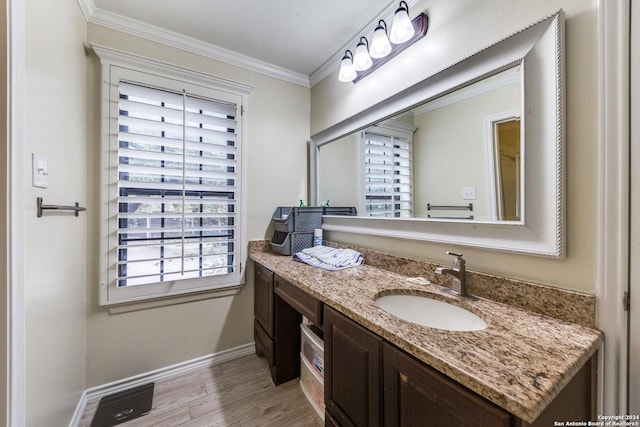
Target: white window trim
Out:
[113,62]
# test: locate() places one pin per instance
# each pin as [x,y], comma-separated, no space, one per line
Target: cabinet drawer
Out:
[264,343]
[302,302]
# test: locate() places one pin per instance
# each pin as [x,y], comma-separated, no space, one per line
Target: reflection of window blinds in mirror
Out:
[387,176]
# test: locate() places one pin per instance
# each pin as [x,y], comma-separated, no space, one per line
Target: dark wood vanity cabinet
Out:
[276,327]
[369,382]
[416,395]
[353,372]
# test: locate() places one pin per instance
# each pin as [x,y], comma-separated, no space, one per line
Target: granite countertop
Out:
[520,362]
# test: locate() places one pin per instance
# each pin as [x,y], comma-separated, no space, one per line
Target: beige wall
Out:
[339,178]
[277,119]
[458,29]
[55,245]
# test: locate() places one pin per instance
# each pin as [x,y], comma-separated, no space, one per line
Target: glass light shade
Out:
[361,59]
[347,72]
[402,28]
[380,45]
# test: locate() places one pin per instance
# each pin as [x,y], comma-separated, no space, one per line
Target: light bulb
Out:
[347,72]
[402,28]
[380,46]
[361,59]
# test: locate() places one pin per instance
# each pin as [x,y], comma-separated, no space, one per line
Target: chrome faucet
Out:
[459,277]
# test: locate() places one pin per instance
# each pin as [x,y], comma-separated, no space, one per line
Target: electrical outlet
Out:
[40,172]
[469,193]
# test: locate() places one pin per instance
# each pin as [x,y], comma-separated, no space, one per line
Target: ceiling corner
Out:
[159,35]
[87,7]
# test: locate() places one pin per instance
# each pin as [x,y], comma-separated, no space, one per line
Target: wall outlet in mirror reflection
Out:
[469,193]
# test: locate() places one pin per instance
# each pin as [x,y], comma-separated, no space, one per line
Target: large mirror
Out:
[472,155]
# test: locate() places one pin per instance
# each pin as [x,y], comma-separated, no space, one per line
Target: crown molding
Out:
[188,44]
[88,7]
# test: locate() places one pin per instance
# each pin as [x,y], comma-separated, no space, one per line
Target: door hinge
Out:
[626,301]
[242,110]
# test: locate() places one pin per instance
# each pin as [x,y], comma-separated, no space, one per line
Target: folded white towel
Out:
[329,258]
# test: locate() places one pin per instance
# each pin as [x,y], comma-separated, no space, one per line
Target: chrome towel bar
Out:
[41,207]
[468,207]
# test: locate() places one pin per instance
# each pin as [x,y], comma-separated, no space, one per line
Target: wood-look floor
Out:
[236,393]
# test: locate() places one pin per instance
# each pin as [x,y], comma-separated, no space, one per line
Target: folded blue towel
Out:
[329,258]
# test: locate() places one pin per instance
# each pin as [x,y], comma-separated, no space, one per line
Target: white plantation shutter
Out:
[387,175]
[172,214]
[177,186]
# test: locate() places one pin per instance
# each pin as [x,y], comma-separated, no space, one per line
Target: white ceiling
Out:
[300,38]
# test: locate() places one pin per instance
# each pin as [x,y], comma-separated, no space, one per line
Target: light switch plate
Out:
[40,172]
[469,193]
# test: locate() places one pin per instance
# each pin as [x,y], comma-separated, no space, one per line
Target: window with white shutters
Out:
[387,175]
[172,216]
[177,166]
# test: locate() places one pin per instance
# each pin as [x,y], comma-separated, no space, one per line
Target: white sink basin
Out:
[430,312]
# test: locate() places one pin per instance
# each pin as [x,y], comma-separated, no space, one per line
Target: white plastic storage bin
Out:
[312,366]
[312,349]
[312,386]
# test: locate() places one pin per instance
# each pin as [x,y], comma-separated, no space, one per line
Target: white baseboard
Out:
[94,394]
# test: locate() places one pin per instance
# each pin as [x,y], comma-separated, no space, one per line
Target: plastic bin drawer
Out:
[312,387]
[312,349]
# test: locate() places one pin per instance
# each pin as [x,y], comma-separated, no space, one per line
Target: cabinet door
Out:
[417,395]
[353,372]
[263,298]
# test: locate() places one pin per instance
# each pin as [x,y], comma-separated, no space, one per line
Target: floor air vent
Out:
[123,406]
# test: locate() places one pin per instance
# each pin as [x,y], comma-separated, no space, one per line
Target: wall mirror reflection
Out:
[456,157]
